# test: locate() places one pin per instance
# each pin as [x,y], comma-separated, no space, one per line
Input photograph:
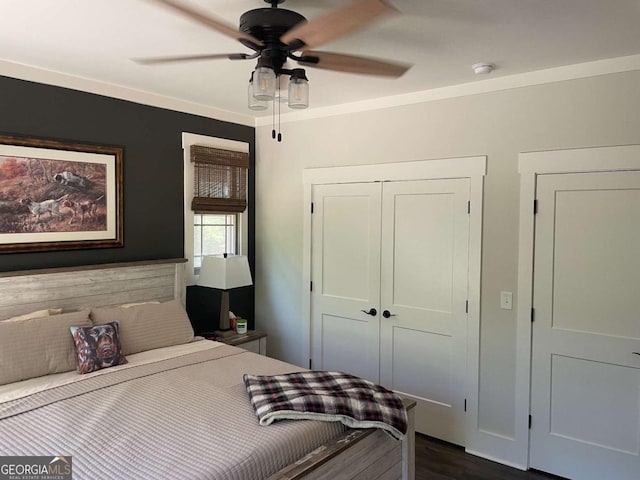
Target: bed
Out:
[177,408]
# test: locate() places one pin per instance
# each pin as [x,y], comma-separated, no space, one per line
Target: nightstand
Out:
[254,341]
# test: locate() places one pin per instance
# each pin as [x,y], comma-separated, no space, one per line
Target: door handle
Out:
[636,353]
[387,314]
[372,311]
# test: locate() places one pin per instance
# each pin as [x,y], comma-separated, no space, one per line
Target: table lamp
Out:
[225,272]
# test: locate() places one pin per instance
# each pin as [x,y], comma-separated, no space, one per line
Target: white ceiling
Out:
[96,39]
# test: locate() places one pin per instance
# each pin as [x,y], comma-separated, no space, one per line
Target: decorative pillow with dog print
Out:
[98,347]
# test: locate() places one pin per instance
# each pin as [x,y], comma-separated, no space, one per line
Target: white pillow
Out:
[129,305]
[37,314]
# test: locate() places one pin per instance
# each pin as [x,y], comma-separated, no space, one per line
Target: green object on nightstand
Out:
[241,326]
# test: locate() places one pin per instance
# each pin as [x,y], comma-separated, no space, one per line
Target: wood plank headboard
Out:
[74,288]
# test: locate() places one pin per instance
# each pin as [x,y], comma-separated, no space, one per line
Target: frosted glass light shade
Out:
[254,103]
[225,273]
[264,84]
[298,93]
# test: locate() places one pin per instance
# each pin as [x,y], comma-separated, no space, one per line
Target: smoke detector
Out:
[483,68]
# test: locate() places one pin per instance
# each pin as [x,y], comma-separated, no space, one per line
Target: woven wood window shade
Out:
[219,181]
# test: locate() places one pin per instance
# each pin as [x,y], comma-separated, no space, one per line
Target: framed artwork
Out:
[58,195]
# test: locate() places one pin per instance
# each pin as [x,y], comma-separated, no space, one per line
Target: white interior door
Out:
[585,388]
[346,278]
[425,242]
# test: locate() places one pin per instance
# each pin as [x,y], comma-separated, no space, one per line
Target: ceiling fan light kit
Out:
[276,35]
[253,102]
[298,89]
[264,81]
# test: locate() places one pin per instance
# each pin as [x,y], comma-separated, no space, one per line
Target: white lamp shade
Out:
[225,273]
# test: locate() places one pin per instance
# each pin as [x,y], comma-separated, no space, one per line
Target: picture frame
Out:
[59,195]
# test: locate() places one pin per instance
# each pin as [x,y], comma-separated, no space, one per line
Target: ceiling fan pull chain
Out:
[273,119]
[279,108]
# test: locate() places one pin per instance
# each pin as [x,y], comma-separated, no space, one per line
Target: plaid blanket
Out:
[326,396]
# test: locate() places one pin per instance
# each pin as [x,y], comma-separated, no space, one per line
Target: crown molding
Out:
[507,82]
[50,77]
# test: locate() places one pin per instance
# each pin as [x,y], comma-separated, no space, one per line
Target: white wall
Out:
[595,111]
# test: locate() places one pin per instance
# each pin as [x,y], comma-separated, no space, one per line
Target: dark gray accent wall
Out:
[152,165]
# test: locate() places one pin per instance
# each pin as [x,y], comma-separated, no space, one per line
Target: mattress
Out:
[176,412]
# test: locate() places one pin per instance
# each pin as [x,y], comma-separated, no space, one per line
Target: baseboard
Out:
[497,460]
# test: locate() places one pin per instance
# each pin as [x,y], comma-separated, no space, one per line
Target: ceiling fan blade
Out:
[212,22]
[353,64]
[335,24]
[187,58]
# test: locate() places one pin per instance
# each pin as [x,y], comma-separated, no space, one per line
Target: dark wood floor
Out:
[438,460]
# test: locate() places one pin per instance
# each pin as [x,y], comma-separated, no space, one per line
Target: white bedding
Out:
[176,412]
[17,390]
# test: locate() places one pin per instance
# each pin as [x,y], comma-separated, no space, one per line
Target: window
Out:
[215,199]
[213,234]
[219,181]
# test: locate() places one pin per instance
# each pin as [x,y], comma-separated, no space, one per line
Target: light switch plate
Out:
[506,300]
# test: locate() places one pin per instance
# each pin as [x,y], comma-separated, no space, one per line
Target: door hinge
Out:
[311,286]
[466,306]
[465,404]
[533,314]
[469,206]
[310,364]
[535,206]
[311,207]
[529,422]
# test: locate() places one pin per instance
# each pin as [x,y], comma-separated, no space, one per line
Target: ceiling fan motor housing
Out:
[268,25]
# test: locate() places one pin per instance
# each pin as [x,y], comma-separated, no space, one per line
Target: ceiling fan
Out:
[277,34]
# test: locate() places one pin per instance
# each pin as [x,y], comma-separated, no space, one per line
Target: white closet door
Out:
[425,243]
[346,278]
[585,390]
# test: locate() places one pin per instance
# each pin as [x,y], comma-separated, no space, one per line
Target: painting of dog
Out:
[56,195]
